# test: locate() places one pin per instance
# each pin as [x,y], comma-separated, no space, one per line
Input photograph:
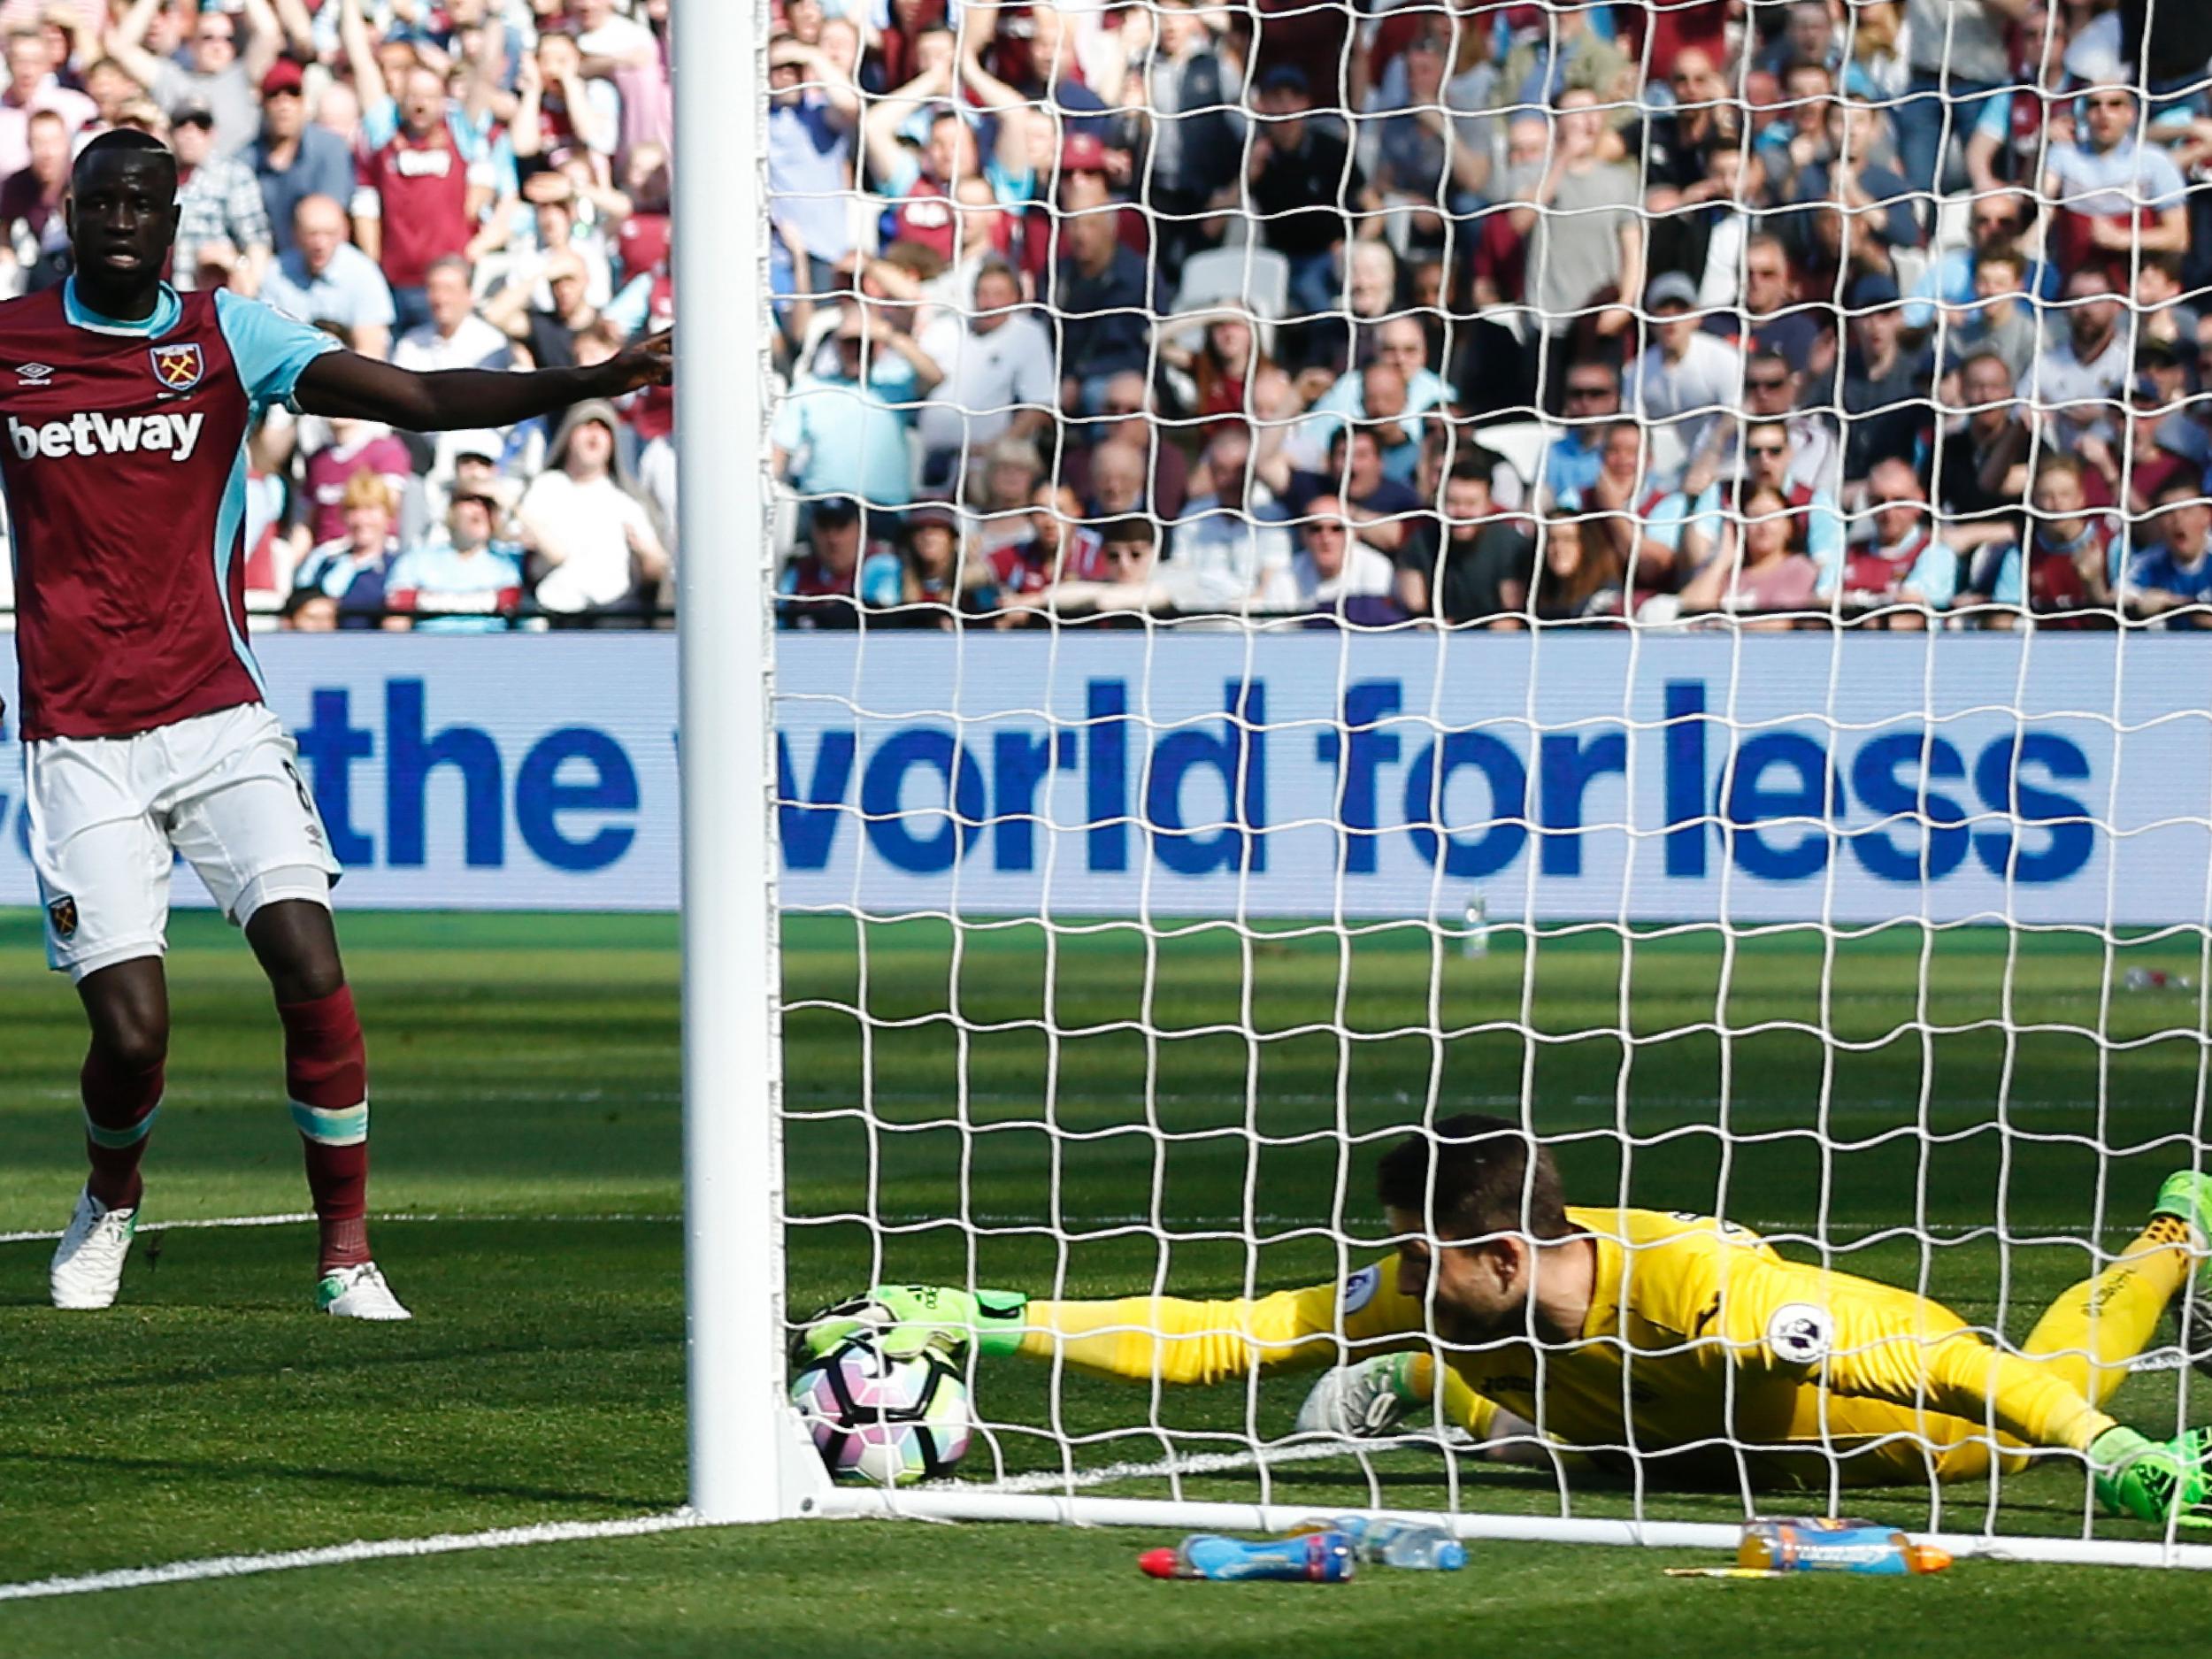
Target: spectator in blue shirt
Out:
[843,430]
[457,582]
[294,157]
[2175,571]
[1571,464]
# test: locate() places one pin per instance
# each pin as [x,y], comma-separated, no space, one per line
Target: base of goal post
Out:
[948,1503]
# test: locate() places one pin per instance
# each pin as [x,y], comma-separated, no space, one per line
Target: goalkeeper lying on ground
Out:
[1677,1335]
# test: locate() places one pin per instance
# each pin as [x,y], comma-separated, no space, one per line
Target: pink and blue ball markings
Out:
[885,1420]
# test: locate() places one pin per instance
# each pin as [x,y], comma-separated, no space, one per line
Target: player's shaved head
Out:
[122,146]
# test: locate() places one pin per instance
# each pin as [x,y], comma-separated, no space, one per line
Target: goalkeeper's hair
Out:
[1474,1175]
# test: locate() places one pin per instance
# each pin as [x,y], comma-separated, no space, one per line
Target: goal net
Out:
[1631,570]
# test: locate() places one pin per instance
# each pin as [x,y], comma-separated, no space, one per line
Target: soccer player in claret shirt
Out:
[126,408]
[1679,1340]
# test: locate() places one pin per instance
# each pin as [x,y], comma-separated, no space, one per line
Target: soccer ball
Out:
[884,1419]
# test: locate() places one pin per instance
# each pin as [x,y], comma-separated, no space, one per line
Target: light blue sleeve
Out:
[1995,120]
[2162,182]
[1009,189]
[881,580]
[2010,587]
[1935,574]
[1934,282]
[1823,538]
[410,569]
[629,309]
[380,124]
[269,349]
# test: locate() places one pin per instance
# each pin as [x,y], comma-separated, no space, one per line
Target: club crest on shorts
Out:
[177,367]
[63,913]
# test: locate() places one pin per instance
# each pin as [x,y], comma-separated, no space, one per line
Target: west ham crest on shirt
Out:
[62,912]
[177,367]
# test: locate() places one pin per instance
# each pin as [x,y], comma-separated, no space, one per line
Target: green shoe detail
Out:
[327,1291]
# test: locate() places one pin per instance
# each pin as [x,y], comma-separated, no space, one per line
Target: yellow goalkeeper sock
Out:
[2092,1331]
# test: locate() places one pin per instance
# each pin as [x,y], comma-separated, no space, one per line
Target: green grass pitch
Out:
[526,1080]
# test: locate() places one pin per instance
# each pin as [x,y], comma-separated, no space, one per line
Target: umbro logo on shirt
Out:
[99,434]
[34,373]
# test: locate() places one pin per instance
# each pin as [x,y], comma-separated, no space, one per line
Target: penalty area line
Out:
[346,1554]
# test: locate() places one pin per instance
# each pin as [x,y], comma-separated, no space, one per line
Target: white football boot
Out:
[88,1267]
[358,1293]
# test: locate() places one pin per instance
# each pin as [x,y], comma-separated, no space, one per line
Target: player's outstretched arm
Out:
[1136,1336]
[344,384]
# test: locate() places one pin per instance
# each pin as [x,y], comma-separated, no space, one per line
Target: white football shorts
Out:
[109,815]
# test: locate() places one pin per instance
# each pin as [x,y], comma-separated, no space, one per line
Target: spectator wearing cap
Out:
[997,360]
[1335,573]
[32,89]
[293,158]
[920,185]
[1102,296]
[593,538]
[836,570]
[223,236]
[219,70]
[813,110]
[351,567]
[1888,386]
[1302,187]
[456,581]
[31,203]
[1685,380]
[425,183]
[2173,573]
[325,278]
[2080,376]
[1577,213]
[842,431]
[2116,194]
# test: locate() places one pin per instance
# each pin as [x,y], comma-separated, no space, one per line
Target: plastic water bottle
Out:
[1384,1542]
[1819,1545]
[1476,941]
[1310,1558]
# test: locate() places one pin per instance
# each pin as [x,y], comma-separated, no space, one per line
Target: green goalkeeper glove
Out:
[2150,1479]
[904,1319]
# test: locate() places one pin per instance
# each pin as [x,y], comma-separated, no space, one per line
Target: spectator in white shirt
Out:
[1330,566]
[999,378]
[1687,378]
[455,337]
[593,539]
[32,88]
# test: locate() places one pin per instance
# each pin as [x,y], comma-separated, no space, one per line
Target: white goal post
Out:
[1712,836]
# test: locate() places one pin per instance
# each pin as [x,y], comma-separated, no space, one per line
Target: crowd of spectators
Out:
[1769,313]
[447,183]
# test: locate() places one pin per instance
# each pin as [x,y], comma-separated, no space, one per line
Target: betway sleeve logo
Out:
[102,434]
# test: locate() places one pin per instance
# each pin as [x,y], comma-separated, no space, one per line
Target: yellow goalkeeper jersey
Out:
[1701,1341]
